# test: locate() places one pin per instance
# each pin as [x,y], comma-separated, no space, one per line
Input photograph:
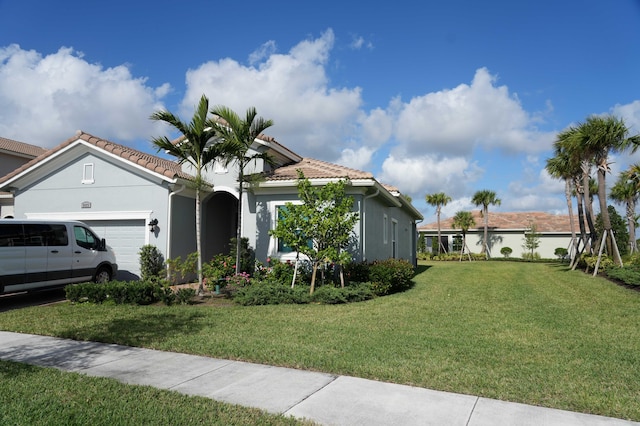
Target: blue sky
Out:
[430,96]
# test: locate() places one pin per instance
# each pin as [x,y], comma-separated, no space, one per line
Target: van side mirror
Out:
[103,245]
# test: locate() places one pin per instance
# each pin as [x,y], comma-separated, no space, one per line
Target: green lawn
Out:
[526,332]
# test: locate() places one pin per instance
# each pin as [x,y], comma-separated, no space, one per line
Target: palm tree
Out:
[600,136]
[193,148]
[627,190]
[485,198]
[463,220]
[561,167]
[238,136]
[438,200]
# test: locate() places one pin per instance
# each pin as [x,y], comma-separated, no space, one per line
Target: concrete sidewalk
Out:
[323,398]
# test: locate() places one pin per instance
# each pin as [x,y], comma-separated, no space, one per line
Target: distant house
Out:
[505,230]
[132,198]
[13,154]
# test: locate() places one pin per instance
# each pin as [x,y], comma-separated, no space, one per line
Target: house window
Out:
[394,238]
[385,226]
[87,173]
[282,246]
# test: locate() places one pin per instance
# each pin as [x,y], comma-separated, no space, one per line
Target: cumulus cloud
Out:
[292,89]
[630,113]
[456,121]
[45,99]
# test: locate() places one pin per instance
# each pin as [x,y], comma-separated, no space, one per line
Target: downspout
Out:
[363,229]
[169,219]
[416,236]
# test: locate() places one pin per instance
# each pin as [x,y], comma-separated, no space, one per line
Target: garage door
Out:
[125,238]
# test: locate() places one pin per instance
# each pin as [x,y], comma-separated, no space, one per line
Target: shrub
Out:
[247,254]
[184,295]
[357,272]
[218,269]
[506,251]
[181,271]
[561,252]
[531,256]
[629,275]
[118,292]
[151,262]
[390,276]
[266,293]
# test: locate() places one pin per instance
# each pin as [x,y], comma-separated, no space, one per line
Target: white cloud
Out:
[292,89]
[630,113]
[359,159]
[45,99]
[426,174]
[455,121]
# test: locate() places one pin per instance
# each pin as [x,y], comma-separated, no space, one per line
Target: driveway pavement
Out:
[324,398]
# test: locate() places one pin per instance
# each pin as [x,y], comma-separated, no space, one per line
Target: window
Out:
[87,174]
[85,238]
[11,235]
[385,226]
[394,238]
[282,247]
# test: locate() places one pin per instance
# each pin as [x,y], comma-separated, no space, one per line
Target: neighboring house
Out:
[505,230]
[120,192]
[13,154]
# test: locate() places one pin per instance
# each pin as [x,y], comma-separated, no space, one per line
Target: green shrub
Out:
[247,254]
[184,295]
[390,276]
[151,262]
[589,262]
[166,295]
[356,272]
[181,271]
[268,293]
[561,252]
[629,275]
[506,251]
[218,269]
[531,256]
[118,292]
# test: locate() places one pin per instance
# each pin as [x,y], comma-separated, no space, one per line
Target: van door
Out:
[86,253]
[59,253]
[35,241]
[12,256]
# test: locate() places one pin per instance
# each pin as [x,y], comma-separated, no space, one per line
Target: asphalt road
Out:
[9,302]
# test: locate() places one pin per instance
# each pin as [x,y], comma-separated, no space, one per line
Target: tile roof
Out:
[164,167]
[25,149]
[545,222]
[316,169]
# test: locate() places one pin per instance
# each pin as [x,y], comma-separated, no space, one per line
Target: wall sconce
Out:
[153,225]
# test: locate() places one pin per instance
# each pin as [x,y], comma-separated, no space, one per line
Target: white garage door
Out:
[125,238]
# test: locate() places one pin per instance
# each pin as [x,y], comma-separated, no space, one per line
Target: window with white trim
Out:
[87,173]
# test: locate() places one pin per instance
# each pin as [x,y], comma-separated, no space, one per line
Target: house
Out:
[13,154]
[504,230]
[132,198]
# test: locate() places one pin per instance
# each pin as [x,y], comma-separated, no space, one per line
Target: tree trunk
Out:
[199,243]
[439,241]
[583,232]
[239,218]
[485,212]
[604,213]
[567,194]
[586,198]
[313,277]
[631,220]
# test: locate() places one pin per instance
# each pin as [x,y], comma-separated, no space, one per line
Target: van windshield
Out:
[85,238]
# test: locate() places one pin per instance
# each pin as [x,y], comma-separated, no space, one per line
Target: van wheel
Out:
[103,275]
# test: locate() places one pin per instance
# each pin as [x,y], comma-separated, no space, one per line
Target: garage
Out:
[125,238]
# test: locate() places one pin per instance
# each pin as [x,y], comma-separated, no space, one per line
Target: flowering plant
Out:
[218,268]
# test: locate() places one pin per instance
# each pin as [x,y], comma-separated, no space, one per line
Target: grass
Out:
[526,332]
[32,395]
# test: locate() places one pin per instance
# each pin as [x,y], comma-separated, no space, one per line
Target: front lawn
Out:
[526,332]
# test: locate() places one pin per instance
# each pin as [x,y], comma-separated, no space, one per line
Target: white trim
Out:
[122,215]
[228,189]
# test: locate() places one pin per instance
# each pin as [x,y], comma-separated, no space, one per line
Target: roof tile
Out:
[545,222]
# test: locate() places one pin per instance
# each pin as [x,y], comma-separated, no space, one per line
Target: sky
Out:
[430,96]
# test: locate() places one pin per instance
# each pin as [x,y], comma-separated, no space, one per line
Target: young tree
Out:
[485,198]
[438,200]
[237,137]
[322,226]
[195,148]
[463,220]
[531,240]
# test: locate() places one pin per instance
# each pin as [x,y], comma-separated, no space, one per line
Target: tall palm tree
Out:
[627,190]
[485,198]
[463,220]
[438,200]
[238,136]
[599,137]
[195,149]
[561,167]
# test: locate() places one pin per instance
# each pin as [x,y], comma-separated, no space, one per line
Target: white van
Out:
[36,254]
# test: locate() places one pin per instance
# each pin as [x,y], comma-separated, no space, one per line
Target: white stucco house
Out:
[120,191]
[505,230]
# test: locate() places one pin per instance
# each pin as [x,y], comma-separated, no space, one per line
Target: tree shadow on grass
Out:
[139,330]
[421,268]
